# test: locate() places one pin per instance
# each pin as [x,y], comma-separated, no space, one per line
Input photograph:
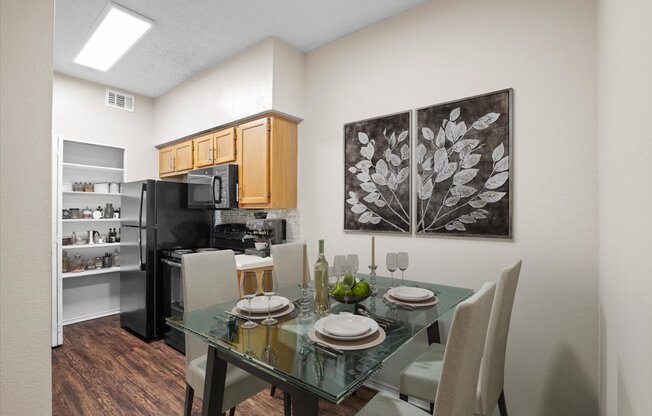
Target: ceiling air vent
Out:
[119,100]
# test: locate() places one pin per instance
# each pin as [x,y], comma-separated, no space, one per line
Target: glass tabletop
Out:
[284,350]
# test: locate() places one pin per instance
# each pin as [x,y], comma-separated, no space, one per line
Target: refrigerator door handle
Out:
[140,228]
[217,200]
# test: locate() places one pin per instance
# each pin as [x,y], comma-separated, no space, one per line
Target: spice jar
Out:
[107,260]
[98,262]
[88,187]
[90,264]
[65,260]
[79,263]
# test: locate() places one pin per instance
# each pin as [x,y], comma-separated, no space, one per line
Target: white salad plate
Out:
[346,327]
[409,293]
[259,304]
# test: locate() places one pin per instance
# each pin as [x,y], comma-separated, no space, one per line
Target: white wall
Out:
[79,113]
[26,37]
[447,50]
[288,79]
[625,105]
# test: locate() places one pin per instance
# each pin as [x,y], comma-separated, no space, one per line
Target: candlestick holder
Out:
[372,280]
[304,304]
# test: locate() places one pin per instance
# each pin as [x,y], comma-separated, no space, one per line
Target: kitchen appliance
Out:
[271,231]
[233,237]
[154,217]
[213,188]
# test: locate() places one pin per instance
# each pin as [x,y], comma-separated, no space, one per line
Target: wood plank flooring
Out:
[101,369]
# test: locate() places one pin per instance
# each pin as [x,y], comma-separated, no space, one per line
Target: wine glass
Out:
[269,283]
[402,263]
[249,286]
[339,265]
[352,263]
[390,261]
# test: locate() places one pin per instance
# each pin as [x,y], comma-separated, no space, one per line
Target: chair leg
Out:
[190,395]
[287,404]
[502,406]
[432,408]
[232,411]
[403,397]
[272,391]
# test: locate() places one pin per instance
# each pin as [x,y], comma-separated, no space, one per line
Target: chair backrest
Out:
[458,383]
[289,262]
[492,372]
[208,278]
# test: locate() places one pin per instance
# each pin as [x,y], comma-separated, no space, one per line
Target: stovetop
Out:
[177,253]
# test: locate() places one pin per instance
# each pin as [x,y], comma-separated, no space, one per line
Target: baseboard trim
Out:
[90,316]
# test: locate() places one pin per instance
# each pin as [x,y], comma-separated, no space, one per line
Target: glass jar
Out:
[90,264]
[98,262]
[116,258]
[107,260]
[79,263]
[65,261]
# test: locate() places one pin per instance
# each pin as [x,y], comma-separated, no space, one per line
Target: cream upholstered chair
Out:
[421,378]
[210,278]
[289,262]
[460,365]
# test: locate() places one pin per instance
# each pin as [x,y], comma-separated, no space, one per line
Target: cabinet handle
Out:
[210,153]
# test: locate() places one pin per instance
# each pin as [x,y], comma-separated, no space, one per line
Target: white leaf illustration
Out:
[467,219]
[364,165]
[363,177]
[441,159]
[421,152]
[459,226]
[484,121]
[352,169]
[358,208]
[502,165]
[403,174]
[368,151]
[364,139]
[392,182]
[352,201]
[364,218]
[497,181]
[441,138]
[446,172]
[427,164]
[380,203]
[455,114]
[460,131]
[484,211]
[464,143]
[395,160]
[463,191]
[478,203]
[478,215]
[372,197]
[392,140]
[426,189]
[451,129]
[465,152]
[379,179]
[374,220]
[381,167]
[428,134]
[451,201]
[368,186]
[498,153]
[491,196]
[405,152]
[402,136]
[464,176]
[449,227]
[353,195]
[388,154]
[470,161]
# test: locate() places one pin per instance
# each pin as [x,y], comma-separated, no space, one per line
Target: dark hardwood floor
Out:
[101,369]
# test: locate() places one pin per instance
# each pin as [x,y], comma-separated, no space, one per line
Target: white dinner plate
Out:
[259,304]
[346,326]
[410,293]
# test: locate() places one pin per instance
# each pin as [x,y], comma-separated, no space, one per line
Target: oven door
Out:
[213,188]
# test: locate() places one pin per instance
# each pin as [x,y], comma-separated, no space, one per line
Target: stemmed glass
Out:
[402,263]
[339,267]
[391,262]
[269,282]
[249,286]
[352,263]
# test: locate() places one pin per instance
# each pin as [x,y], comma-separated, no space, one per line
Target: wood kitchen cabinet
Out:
[224,145]
[267,163]
[203,148]
[175,160]
[166,161]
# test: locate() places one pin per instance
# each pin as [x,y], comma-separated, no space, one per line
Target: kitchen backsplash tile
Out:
[291,217]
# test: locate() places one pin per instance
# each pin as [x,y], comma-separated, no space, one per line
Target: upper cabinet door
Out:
[166,160]
[225,148]
[183,156]
[203,147]
[253,161]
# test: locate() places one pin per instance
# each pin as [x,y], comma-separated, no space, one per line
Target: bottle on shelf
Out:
[107,260]
[116,258]
[65,260]
[321,282]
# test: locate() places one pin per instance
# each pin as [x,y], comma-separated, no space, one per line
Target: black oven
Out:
[213,188]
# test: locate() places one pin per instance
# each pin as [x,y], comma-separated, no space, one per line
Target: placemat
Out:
[260,316]
[360,344]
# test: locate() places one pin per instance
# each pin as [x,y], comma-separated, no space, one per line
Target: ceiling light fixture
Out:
[117,31]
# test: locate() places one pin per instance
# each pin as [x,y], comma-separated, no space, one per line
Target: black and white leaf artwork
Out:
[377,157]
[464,167]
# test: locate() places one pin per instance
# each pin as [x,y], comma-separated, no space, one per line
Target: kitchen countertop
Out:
[247,262]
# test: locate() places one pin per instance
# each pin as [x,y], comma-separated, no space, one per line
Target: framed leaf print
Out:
[464,167]
[377,174]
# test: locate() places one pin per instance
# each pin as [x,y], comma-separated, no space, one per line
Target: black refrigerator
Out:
[154,217]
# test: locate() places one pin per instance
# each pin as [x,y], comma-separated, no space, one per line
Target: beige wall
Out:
[446,50]
[79,113]
[288,79]
[26,36]
[625,106]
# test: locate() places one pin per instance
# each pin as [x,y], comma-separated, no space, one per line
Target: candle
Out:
[306,272]
[373,250]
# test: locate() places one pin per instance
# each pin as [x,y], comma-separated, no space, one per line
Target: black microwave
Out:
[213,188]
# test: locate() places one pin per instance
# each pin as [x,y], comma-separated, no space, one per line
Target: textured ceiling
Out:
[191,36]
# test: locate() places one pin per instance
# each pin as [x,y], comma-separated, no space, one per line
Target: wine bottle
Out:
[321,282]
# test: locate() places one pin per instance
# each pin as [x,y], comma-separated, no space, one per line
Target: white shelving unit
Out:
[93,293]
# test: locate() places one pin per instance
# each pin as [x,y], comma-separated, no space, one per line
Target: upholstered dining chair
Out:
[421,378]
[210,278]
[460,366]
[289,262]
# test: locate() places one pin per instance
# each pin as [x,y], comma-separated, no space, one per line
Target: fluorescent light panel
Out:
[115,34]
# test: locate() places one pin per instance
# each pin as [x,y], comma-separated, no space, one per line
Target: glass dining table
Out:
[283,354]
